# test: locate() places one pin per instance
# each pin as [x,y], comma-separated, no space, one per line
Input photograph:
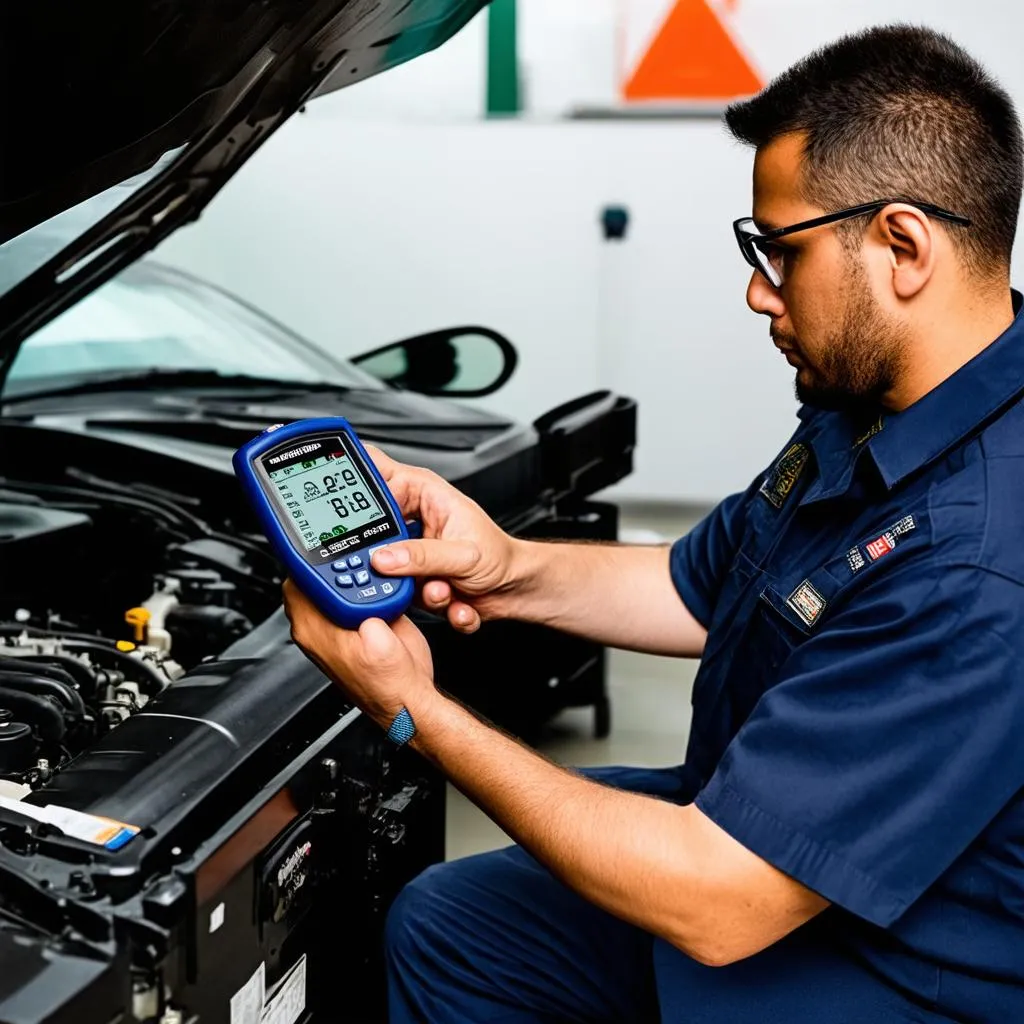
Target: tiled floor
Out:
[650,712]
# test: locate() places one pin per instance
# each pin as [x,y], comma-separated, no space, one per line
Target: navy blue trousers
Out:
[496,937]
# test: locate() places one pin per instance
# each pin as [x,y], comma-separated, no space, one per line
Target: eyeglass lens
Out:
[767,259]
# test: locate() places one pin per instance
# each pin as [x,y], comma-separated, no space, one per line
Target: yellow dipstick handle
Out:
[138,618]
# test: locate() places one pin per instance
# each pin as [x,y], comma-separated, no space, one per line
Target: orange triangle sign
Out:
[693,57]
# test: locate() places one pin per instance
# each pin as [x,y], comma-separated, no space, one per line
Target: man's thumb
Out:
[445,558]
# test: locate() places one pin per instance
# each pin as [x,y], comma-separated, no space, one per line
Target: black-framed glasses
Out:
[759,252]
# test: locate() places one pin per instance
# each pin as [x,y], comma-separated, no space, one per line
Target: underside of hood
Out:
[98,92]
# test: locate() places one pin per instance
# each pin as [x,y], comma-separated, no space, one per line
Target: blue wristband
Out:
[403,728]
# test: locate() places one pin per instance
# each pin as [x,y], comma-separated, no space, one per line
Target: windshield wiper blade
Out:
[147,380]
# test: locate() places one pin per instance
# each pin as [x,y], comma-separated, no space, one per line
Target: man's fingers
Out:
[292,594]
[406,483]
[379,647]
[382,461]
[463,617]
[297,607]
[447,558]
[438,598]
[436,595]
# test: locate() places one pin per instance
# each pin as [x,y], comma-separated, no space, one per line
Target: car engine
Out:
[110,593]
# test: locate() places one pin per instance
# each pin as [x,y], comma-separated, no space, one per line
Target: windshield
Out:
[152,316]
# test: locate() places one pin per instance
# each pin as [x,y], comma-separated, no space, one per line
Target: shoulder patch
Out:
[855,560]
[782,477]
[878,547]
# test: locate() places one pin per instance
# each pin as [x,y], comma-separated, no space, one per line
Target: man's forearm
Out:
[617,594]
[589,835]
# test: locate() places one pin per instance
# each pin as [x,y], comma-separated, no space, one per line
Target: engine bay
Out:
[110,593]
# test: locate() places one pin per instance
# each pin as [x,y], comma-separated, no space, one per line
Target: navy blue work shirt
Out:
[858,716]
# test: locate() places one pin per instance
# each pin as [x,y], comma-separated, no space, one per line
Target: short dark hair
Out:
[900,111]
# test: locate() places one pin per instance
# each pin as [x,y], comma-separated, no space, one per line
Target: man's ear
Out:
[909,238]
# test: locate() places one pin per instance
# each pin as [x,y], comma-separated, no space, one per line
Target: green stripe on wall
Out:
[502,58]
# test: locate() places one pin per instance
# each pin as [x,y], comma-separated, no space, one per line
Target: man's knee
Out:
[414,910]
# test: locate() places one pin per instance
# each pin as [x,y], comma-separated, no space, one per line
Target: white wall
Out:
[428,227]
[389,209]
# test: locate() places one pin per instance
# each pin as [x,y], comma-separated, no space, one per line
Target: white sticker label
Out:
[288,1003]
[90,827]
[247,1002]
[217,917]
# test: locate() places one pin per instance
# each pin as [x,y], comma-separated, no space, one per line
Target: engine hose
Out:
[47,664]
[67,695]
[135,669]
[151,682]
[166,503]
[177,517]
[28,663]
[157,505]
[39,712]
[17,628]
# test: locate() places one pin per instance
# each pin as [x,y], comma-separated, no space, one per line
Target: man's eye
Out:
[780,256]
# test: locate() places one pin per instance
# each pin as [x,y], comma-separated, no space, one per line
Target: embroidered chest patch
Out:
[782,477]
[807,603]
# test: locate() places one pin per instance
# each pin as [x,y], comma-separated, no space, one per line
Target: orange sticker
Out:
[693,57]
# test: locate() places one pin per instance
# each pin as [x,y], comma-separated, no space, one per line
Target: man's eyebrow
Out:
[765,225]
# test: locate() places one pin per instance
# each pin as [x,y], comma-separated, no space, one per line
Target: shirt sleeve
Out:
[700,560]
[895,736]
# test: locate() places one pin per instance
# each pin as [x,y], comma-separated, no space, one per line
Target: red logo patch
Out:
[880,546]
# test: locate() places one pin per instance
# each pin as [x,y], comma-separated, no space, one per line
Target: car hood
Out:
[177,93]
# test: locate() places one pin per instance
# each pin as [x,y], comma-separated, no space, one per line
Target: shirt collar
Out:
[902,443]
[833,439]
[947,414]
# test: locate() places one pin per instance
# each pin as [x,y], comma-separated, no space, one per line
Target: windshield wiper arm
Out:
[146,380]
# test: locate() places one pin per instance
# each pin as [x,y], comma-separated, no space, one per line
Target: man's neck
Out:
[947,340]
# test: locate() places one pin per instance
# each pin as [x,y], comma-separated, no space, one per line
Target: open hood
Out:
[140,110]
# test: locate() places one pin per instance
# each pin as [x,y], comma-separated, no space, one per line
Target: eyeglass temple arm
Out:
[857,211]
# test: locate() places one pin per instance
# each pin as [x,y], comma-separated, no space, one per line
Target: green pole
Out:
[502,59]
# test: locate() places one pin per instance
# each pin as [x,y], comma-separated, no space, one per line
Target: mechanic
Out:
[845,841]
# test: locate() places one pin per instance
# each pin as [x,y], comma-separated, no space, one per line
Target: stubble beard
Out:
[861,362]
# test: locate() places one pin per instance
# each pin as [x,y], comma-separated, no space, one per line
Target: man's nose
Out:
[763,297]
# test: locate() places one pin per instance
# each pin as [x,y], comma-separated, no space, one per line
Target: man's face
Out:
[825,318]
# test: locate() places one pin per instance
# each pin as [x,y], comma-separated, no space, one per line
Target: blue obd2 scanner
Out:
[324,507]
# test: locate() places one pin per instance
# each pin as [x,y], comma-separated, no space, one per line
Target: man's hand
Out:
[468,562]
[471,570]
[382,668]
